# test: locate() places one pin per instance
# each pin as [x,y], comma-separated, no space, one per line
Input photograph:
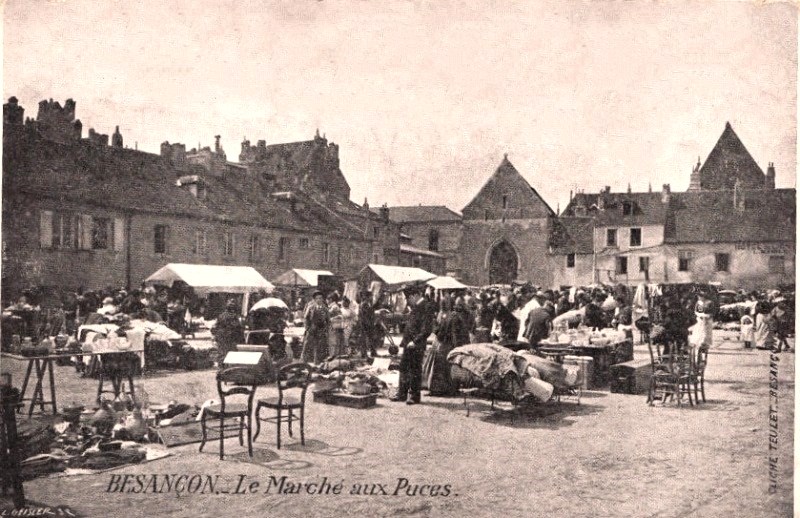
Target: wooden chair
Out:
[663,381]
[293,381]
[699,375]
[227,410]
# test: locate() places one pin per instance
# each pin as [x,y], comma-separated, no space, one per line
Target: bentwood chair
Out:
[227,409]
[293,381]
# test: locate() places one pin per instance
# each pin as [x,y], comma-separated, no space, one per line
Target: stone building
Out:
[434,237]
[732,226]
[505,234]
[80,213]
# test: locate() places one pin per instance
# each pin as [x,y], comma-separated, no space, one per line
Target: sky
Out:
[425,98]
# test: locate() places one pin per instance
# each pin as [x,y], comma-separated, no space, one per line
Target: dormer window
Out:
[627,208]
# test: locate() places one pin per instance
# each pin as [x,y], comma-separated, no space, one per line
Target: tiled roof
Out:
[112,177]
[710,216]
[138,181]
[572,235]
[620,209]
[421,213]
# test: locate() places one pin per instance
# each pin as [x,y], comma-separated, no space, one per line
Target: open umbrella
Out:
[269,302]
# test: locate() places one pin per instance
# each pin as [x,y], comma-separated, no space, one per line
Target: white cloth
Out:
[747,329]
[702,331]
[522,316]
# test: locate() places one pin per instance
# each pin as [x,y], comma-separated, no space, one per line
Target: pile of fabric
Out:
[518,373]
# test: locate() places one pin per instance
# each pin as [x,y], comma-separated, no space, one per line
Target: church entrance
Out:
[502,263]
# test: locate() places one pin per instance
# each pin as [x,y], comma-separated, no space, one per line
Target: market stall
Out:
[205,279]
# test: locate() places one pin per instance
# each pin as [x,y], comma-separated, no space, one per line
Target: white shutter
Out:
[86,232]
[46,229]
[119,234]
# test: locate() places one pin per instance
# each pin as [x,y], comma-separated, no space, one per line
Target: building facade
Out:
[732,226]
[80,213]
[505,233]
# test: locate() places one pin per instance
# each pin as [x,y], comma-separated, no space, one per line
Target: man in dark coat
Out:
[415,339]
[366,325]
[539,324]
[318,322]
[228,330]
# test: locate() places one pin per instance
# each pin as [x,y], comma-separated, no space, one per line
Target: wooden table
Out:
[43,366]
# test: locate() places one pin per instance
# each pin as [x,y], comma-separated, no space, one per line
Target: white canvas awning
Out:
[207,279]
[394,275]
[300,277]
[446,283]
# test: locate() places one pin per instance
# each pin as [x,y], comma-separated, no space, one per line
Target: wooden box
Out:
[335,397]
[631,377]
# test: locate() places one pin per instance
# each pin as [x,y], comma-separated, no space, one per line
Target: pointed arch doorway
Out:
[503,263]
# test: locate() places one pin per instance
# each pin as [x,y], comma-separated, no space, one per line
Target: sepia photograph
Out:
[399,258]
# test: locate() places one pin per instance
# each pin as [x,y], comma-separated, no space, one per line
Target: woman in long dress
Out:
[764,336]
[453,331]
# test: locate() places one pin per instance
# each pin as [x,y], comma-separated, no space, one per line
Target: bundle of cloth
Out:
[518,373]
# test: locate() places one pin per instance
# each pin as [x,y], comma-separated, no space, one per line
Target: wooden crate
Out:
[335,397]
[631,377]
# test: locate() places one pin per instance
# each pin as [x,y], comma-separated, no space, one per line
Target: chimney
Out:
[216,144]
[769,181]
[666,194]
[116,138]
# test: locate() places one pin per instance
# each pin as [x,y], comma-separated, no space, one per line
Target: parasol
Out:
[269,302]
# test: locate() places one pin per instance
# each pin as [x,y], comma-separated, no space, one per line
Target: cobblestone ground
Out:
[611,456]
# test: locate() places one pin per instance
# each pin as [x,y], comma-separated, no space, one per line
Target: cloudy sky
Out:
[425,97]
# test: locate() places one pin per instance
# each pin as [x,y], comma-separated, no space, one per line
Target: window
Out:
[200,242]
[611,237]
[326,253]
[622,266]
[433,240]
[228,244]
[56,230]
[644,264]
[376,232]
[570,260]
[627,208]
[100,233]
[283,248]
[160,239]
[684,260]
[376,258]
[505,201]
[776,264]
[201,190]
[636,237]
[253,251]
[485,214]
[304,243]
[723,262]
[416,261]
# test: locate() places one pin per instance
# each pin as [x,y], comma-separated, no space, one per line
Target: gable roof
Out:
[507,182]
[421,214]
[728,161]
[711,217]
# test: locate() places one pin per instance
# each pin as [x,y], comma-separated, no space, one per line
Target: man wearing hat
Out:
[415,339]
[228,330]
[317,320]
